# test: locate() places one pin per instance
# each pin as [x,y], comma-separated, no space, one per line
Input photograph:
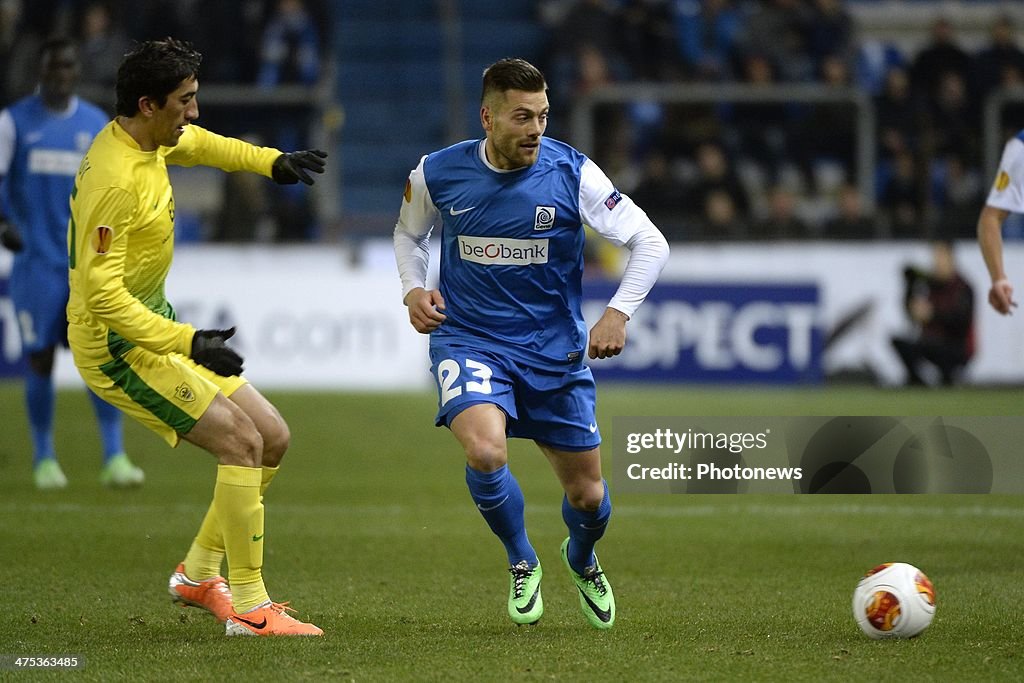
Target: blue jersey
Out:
[511,252]
[43,150]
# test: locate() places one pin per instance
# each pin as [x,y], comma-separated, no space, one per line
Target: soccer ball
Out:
[894,600]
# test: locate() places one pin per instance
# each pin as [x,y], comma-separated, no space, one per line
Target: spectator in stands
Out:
[940,304]
[721,219]
[290,54]
[778,30]
[897,115]
[649,40]
[1000,56]
[761,129]
[290,51]
[827,136]
[943,55]
[782,221]
[245,213]
[584,53]
[829,32]
[103,43]
[716,175]
[902,199]
[707,33]
[873,61]
[590,21]
[581,72]
[952,121]
[957,195]
[661,195]
[851,220]
[19,51]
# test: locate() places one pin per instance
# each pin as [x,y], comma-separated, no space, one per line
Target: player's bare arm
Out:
[425,308]
[608,336]
[990,224]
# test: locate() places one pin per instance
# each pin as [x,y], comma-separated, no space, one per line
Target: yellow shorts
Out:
[168,393]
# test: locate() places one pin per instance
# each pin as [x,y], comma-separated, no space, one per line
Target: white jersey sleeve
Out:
[1008,189]
[416,220]
[8,137]
[618,219]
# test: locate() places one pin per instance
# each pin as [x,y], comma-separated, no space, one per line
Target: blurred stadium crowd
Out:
[258,44]
[263,42]
[786,171]
[704,171]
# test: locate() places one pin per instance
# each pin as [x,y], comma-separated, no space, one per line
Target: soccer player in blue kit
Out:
[507,336]
[43,138]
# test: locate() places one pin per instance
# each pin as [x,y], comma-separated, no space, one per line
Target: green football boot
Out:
[525,605]
[596,598]
[121,473]
[48,476]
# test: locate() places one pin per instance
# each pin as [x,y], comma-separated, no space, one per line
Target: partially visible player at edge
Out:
[42,140]
[507,335]
[1005,197]
[179,382]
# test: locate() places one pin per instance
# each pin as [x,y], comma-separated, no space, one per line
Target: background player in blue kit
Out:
[507,335]
[43,138]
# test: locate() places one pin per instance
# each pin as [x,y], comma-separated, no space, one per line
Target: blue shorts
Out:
[557,409]
[40,295]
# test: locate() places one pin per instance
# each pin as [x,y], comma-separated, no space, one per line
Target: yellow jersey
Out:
[121,240]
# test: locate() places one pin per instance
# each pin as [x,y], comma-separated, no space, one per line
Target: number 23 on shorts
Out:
[452,383]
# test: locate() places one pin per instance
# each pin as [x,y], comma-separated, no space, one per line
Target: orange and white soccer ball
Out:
[894,600]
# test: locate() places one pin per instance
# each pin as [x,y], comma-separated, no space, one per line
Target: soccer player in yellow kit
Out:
[129,348]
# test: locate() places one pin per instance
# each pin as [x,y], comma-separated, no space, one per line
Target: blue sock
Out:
[109,419]
[585,530]
[500,500]
[39,400]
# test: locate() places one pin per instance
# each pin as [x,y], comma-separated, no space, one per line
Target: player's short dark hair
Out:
[154,69]
[512,74]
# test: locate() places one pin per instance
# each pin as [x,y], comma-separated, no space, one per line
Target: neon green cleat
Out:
[49,476]
[525,604]
[120,473]
[596,598]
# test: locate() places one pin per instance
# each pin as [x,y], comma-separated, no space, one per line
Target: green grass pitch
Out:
[371,535]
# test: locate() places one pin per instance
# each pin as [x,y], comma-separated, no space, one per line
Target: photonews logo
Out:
[497,251]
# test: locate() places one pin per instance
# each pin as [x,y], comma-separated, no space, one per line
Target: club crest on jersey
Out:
[614,198]
[544,218]
[102,238]
[184,393]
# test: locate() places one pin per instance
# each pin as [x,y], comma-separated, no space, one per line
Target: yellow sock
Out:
[236,500]
[202,561]
[268,476]
[207,552]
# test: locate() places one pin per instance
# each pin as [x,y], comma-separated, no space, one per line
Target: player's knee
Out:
[243,447]
[485,454]
[276,440]
[586,496]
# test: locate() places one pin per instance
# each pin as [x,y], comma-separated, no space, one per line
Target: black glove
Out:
[9,237]
[210,351]
[291,167]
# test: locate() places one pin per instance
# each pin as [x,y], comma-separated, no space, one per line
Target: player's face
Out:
[180,110]
[58,73]
[514,122]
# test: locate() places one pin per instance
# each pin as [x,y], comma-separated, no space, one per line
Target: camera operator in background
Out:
[940,304]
